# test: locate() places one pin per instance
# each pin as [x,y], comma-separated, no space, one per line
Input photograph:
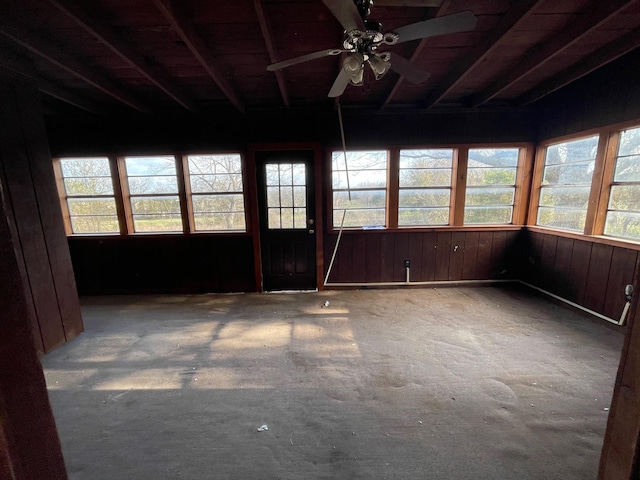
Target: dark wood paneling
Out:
[387,244]
[429,252]
[35,140]
[443,252]
[579,270]
[400,254]
[29,444]
[142,264]
[562,267]
[598,276]
[30,187]
[623,265]
[415,256]
[483,265]
[498,254]
[470,255]
[456,256]
[548,260]
[374,253]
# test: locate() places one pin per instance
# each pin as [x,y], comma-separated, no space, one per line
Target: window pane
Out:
[623,224]
[153,185]
[95,224]
[564,197]
[274,217]
[565,218]
[430,158]
[361,218]
[88,186]
[433,177]
[488,215]
[218,203]
[150,166]
[92,206]
[489,196]
[574,151]
[85,167]
[424,197]
[491,176]
[423,216]
[629,142]
[202,183]
[627,169]
[625,197]
[155,205]
[571,174]
[215,164]
[493,157]
[219,221]
[360,199]
[157,223]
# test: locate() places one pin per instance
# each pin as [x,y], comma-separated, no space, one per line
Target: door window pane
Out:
[286,195]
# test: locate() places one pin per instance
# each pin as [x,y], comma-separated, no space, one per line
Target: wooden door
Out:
[286,204]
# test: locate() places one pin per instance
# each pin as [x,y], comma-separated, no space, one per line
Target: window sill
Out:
[602,239]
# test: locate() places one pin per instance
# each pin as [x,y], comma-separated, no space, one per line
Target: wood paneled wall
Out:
[163,264]
[33,208]
[29,445]
[370,257]
[590,274]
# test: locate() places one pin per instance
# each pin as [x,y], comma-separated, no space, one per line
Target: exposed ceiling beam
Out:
[460,69]
[409,3]
[94,26]
[441,11]
[597,59]
[44,49]
[24,67]
[594,15]
[198,48]
[265,26]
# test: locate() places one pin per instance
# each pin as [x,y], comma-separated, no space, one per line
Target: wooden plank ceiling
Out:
[166,56]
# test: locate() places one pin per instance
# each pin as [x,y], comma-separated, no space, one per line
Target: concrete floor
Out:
[453,383]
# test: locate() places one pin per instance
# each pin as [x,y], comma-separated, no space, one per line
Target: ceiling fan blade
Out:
[304,58]
[408,3]
[458,22]
[341,82]
[346,13]
[408,70]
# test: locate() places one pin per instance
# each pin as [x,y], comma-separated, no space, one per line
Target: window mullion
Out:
[123,198]
[590,226]
[393,184]
[183,193]
[604,189]
[459,187]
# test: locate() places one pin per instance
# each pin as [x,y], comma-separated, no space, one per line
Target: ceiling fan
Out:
[363,37]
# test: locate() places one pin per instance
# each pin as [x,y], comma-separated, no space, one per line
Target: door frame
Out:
[254,216]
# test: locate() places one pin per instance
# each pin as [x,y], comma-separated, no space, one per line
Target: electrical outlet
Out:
[407,263]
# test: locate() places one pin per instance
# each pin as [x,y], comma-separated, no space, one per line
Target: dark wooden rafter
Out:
[595,15]
[43,48]
[441,11]
[265,26]
[597,59]
[24,67]
[480,51]
[89,22]
[197,46]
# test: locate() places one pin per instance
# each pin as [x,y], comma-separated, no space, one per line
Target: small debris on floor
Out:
[325,304]
[263,428]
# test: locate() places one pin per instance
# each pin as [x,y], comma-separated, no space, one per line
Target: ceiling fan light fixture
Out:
[353,64]
[379,66]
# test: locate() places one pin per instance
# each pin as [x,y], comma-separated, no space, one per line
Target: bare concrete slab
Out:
[454,383]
